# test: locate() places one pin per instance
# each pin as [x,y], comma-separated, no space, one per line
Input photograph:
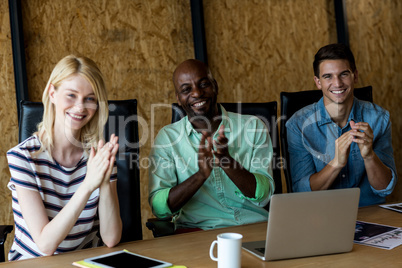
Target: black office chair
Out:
[4,230]
[291,102]
[267,112]
[122,122]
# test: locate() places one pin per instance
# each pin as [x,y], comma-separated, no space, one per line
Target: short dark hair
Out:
[333,52]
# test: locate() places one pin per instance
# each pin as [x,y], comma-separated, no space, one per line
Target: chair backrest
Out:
[291,102]
[122,122]
[267,112]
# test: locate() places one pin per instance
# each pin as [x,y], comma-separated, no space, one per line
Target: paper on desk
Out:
[395,207]
[377,235]
[84,264]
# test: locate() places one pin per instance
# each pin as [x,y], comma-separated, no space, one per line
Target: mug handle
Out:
[211,251]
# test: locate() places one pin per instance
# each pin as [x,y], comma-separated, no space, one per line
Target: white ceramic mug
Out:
[229,250]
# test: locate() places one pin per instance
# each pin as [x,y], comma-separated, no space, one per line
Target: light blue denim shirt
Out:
[311,136]
[218,203]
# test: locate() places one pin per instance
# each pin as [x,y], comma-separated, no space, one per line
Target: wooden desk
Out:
[192,249]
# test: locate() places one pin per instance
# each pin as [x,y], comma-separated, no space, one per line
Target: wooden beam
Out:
[341,22]
[17,40]
[197,18]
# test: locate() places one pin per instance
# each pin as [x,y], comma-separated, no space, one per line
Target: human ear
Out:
[317,82]
[356,76]
[52,92]
[216,86]
[178,100]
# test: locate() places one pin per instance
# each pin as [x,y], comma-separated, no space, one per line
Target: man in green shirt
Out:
[212,168]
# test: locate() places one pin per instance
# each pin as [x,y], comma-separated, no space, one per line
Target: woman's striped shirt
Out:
[56,185]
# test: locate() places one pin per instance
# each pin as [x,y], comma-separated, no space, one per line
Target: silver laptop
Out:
[308,224]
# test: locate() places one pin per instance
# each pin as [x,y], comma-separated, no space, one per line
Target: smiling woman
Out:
[63,178]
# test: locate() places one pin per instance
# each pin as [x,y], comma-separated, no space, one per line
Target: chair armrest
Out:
[160,227]
[4,230]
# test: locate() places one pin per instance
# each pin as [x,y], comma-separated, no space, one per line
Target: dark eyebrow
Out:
[344,71]
[183,85]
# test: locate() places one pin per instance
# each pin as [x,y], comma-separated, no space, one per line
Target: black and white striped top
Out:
[56,185]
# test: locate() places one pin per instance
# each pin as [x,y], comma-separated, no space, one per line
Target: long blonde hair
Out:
[92,132]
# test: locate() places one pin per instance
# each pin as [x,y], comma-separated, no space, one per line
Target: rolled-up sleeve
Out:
[261,163]
[383,149]
[162,177]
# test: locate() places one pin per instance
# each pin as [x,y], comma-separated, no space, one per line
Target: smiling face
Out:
[336,80]
[196,91]
[75,103]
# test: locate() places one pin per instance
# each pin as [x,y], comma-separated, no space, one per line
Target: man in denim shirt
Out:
[340,141]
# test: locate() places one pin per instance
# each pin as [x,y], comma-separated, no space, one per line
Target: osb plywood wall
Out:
[8,114]
[375,32]
[260,48]
[256,49]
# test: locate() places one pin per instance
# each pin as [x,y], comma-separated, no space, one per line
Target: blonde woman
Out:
[63,179]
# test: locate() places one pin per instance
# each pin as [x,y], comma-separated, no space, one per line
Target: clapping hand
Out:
[113,147]
[221,152]
[100,163]
[342,149]
[205,155]
[363,135]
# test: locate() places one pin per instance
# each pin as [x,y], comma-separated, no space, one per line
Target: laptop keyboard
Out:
[261,250]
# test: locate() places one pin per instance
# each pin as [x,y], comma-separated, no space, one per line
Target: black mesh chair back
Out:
[291,102]
[122,122]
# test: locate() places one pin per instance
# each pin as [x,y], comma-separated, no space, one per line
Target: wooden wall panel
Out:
[258,48]
[8,115]
[375,32]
